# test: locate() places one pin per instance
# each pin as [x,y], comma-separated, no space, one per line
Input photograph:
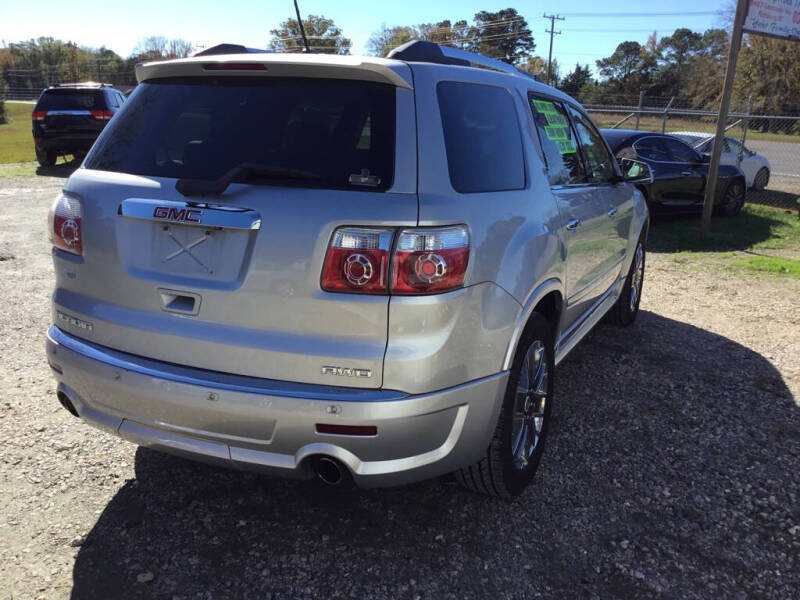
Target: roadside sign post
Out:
[774,18]
[722,120]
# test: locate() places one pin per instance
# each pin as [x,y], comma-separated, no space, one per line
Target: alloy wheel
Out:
[638,277]
[530,404]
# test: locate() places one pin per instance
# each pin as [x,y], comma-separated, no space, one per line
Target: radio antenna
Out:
[302,29]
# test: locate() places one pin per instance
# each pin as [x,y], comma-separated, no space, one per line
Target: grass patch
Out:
[756,228]
[16,139]
[18,169]
[771,265]
[761,240]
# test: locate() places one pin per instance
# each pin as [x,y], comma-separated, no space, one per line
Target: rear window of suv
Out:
[482,137]
[343,131]
[67,99]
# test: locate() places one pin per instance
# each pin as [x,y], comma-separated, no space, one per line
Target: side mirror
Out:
[705,157]
[635,171]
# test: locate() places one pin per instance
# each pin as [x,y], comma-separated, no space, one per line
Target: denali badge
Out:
[346,372]
[73,321]
[173,214]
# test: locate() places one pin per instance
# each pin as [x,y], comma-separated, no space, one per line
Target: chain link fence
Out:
[765,147]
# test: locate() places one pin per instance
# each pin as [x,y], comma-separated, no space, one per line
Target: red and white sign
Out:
[778,18]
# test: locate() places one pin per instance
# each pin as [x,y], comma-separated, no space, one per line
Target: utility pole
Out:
[722,120]
[552,32]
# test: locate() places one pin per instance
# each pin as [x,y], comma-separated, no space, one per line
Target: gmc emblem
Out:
[173,214]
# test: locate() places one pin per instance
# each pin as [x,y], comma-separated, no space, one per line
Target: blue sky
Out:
[120,25]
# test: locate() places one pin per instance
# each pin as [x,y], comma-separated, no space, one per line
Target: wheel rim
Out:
[734,196]
[530,404]
[638,277]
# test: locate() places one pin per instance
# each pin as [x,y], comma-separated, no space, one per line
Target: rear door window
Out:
[342,131]
[482,137]
[67,99]
[564,164]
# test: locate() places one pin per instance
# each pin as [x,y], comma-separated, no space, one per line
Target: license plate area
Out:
[208,246]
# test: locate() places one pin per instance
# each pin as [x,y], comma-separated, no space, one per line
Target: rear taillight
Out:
[430,260]
[39,115]
[358,261]
[66,224]
[102,115]
[425,260]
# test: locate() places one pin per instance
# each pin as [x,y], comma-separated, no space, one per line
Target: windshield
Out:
[201,128]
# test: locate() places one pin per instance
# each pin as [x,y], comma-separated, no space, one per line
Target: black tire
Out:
[732,200]
[761,180]
[624,312]
[502,473]
[46,158]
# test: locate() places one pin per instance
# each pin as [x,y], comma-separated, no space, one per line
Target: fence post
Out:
[639,110]
[666,115]
[745,125]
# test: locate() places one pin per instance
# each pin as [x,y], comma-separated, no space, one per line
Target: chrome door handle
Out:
[572,224]
[687,173]
[612,212]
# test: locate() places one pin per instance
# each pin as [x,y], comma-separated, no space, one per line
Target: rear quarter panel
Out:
[452,338]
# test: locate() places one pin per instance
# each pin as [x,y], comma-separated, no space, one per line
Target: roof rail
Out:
[430,52]
[229,49]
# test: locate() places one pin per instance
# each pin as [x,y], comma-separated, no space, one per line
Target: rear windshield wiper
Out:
[202,187]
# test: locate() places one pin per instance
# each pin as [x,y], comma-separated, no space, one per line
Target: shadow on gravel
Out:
[671,472]
[63,170]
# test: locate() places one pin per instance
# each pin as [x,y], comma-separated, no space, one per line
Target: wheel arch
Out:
[547,299]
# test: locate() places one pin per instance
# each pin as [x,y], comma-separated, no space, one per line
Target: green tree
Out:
[573,82]
[536,65]
[503,35]
[769,70]
[622,63]
[322,33]
[386,39]
[456,34]
[158,47]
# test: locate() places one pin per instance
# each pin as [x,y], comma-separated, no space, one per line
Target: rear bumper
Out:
[66,141]
[257,424]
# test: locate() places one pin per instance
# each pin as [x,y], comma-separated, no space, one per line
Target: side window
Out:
[680,152]
[564,165]
[112,100]
[482,137]
[599,161]
[652,148]
[732,145]
[120,99]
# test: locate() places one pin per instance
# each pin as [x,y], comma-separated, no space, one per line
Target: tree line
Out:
[685,63]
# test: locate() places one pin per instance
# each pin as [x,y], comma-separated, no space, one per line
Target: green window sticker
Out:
[557,128]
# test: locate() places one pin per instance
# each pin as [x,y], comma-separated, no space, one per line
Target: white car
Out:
[755,166]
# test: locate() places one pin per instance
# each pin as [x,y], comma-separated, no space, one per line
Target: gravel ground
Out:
[672,471]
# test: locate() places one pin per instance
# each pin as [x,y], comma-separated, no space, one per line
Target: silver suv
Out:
[340,266]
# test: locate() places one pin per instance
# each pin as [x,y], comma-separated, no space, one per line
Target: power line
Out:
[640,14]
